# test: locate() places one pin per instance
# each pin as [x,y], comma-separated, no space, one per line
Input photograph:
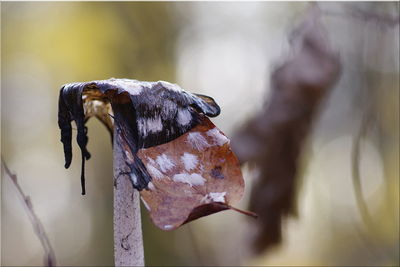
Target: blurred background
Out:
[225,50]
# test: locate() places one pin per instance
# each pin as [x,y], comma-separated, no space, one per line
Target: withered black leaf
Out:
[146,114]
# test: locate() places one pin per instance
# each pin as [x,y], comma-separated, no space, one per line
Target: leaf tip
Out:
[245,212]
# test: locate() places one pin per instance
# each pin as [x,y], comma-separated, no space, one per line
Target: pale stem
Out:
[128,239]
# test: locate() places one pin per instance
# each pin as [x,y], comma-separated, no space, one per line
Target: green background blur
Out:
[225,50]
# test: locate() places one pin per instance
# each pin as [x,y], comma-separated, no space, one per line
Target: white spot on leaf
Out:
[190,161]
[170,86]
[149,125]
[154,172]
[164,162]
[133,178]
[184,117]
[197,141]
[145,204]
[214,197]
[133,87]
[191,179]
[217,197]
[168,227]
[218,138]
[151,186]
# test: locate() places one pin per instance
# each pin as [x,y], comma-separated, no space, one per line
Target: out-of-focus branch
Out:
[273,140]
[355,160]
[367,16]
[49,259]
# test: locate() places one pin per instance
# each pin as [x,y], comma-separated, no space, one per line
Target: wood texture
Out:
[128,241]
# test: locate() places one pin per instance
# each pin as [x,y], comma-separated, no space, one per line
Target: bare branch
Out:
[49,259]
[355,160]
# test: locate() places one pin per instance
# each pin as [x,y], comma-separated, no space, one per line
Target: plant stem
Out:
[128,239]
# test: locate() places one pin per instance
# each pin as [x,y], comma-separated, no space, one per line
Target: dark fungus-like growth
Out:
[146,113]
[170,147]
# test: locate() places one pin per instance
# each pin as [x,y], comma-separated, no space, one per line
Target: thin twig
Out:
[50,259]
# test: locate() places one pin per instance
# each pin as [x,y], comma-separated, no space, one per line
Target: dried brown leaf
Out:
[195,175]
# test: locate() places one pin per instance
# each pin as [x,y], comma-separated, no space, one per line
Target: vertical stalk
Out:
[128,239]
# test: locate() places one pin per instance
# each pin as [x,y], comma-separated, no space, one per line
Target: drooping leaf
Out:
[193,176]
[150,113]
[171,149]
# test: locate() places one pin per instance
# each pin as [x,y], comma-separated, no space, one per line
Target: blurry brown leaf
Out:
[273,139]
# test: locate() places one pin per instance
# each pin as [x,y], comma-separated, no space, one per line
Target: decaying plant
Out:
[164,146]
